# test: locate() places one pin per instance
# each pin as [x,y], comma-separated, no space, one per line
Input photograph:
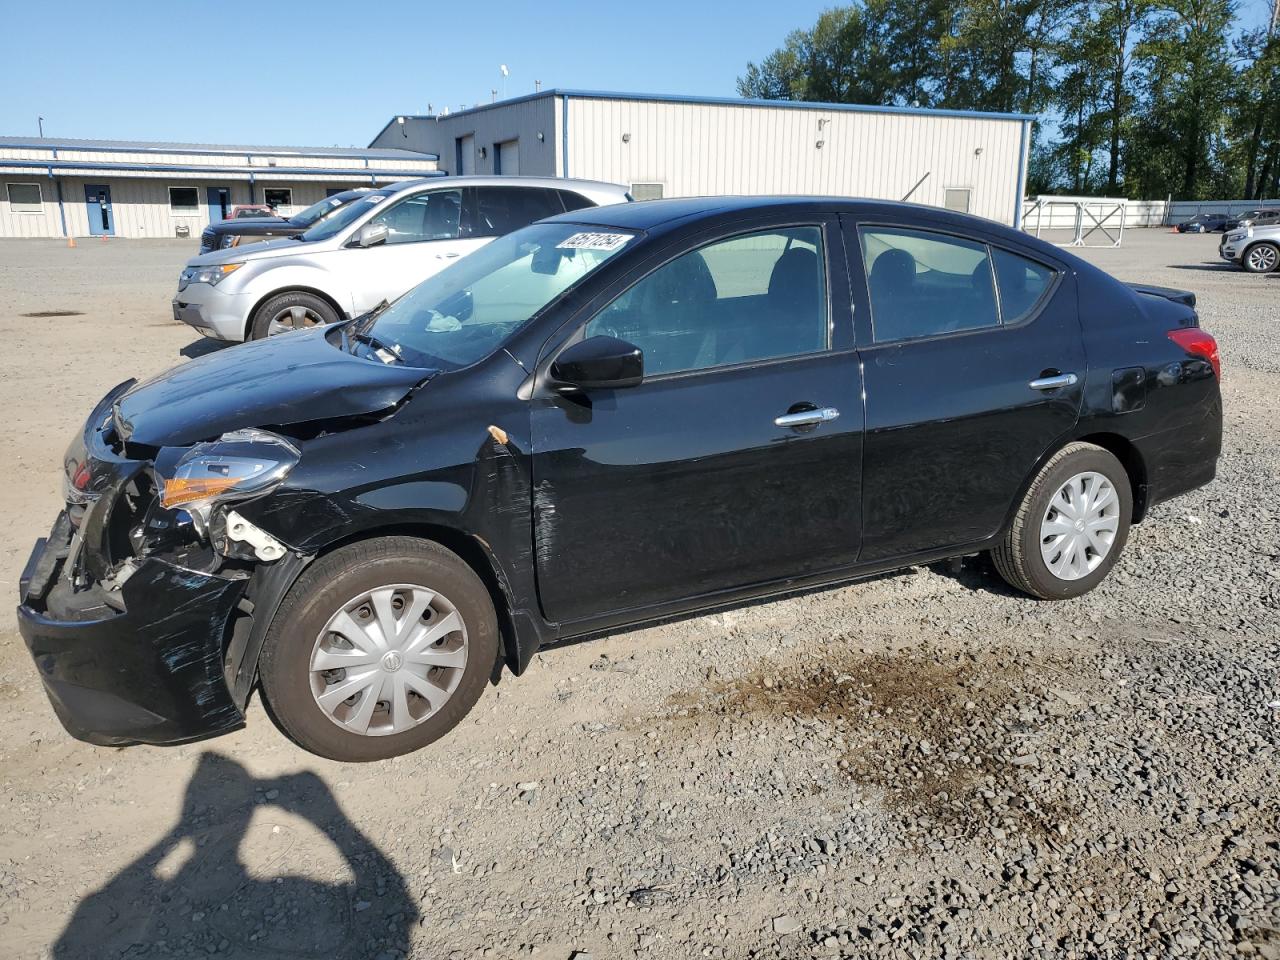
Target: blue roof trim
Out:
[728,102]
[215,150]
[265,173]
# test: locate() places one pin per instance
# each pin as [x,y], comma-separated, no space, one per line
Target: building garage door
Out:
[507,157]
[466,158]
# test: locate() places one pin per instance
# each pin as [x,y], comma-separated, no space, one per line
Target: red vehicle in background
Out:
[251,210]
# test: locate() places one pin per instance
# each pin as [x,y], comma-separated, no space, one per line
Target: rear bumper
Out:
[222,316]
[1185,457]
[151,672]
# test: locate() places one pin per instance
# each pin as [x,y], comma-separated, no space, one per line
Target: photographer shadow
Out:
[315,890]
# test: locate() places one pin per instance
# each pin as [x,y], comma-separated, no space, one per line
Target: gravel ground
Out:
[921,765]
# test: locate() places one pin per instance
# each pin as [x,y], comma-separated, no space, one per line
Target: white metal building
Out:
[78,188]
[690,146]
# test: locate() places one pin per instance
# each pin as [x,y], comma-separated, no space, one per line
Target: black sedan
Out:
[1204,223]
[611,416]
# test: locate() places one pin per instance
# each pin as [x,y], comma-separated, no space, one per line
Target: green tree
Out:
[1187,80]
[1110,40]
[1136,96]
[1255,111]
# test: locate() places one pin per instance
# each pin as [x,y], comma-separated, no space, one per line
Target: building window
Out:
[646,191]
[25,198]
[957,199]
[184,201]
[277,197]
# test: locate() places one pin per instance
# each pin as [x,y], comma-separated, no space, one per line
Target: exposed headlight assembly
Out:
[238,465]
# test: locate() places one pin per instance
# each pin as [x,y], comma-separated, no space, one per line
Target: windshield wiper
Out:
[363,322]
[379,345]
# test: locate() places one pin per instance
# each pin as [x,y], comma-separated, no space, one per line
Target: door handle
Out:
[806,417]
[1054,382]
[446,256]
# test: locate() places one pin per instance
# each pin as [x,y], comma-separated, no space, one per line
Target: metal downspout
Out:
[1023,147]
[564,136]
[62,210]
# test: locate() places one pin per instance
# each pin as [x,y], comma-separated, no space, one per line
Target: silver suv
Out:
[371,250]
[1256,249]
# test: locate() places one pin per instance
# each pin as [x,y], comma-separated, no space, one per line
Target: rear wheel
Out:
[1261,258]
[1070,527]
[291,311]
[379,649]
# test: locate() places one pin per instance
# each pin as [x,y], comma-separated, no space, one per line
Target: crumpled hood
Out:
[293,378]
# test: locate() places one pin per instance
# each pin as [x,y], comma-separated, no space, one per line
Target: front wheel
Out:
[1262,258]
[379,649]
[1070,527]
[291,311]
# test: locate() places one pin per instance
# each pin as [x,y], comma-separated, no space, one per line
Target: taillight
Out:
[1198,343]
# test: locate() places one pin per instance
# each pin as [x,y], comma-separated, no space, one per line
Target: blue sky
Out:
[323,73]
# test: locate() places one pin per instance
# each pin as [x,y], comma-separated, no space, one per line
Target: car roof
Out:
[554,183]
[651,215]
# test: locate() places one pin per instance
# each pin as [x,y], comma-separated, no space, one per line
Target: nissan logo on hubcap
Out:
[392,662]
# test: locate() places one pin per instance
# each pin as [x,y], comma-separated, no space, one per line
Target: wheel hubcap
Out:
[1262,258]
[293,318]
[1079,526]
[388,659]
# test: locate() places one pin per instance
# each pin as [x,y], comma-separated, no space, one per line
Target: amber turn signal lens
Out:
[180,491]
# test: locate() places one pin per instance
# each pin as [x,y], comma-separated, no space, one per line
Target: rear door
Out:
[498,210]
[974,367]
[737,461]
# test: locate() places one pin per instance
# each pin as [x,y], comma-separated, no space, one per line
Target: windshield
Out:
[343,217]
[468,310]
[319,210]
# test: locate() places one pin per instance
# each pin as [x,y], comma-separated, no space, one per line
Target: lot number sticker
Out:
[607,242]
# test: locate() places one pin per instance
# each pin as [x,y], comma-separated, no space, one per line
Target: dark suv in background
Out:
[234,232]
[1261,217]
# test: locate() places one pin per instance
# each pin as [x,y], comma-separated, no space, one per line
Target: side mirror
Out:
[372,234]
[598,363]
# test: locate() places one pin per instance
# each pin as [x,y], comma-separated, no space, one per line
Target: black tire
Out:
[1018,558]
[1261,258]
[310,310]
[330,583]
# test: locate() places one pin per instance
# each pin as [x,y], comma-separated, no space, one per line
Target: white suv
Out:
[1256,249]
[371,250]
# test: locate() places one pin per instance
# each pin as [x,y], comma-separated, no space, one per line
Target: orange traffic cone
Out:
[71,241]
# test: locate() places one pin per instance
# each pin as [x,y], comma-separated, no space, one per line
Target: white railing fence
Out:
[1060,212]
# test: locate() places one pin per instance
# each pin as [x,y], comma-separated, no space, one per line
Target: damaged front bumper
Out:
[141,665]
[129,638]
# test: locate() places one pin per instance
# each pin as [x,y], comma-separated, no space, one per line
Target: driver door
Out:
[423,237]
[695,481]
